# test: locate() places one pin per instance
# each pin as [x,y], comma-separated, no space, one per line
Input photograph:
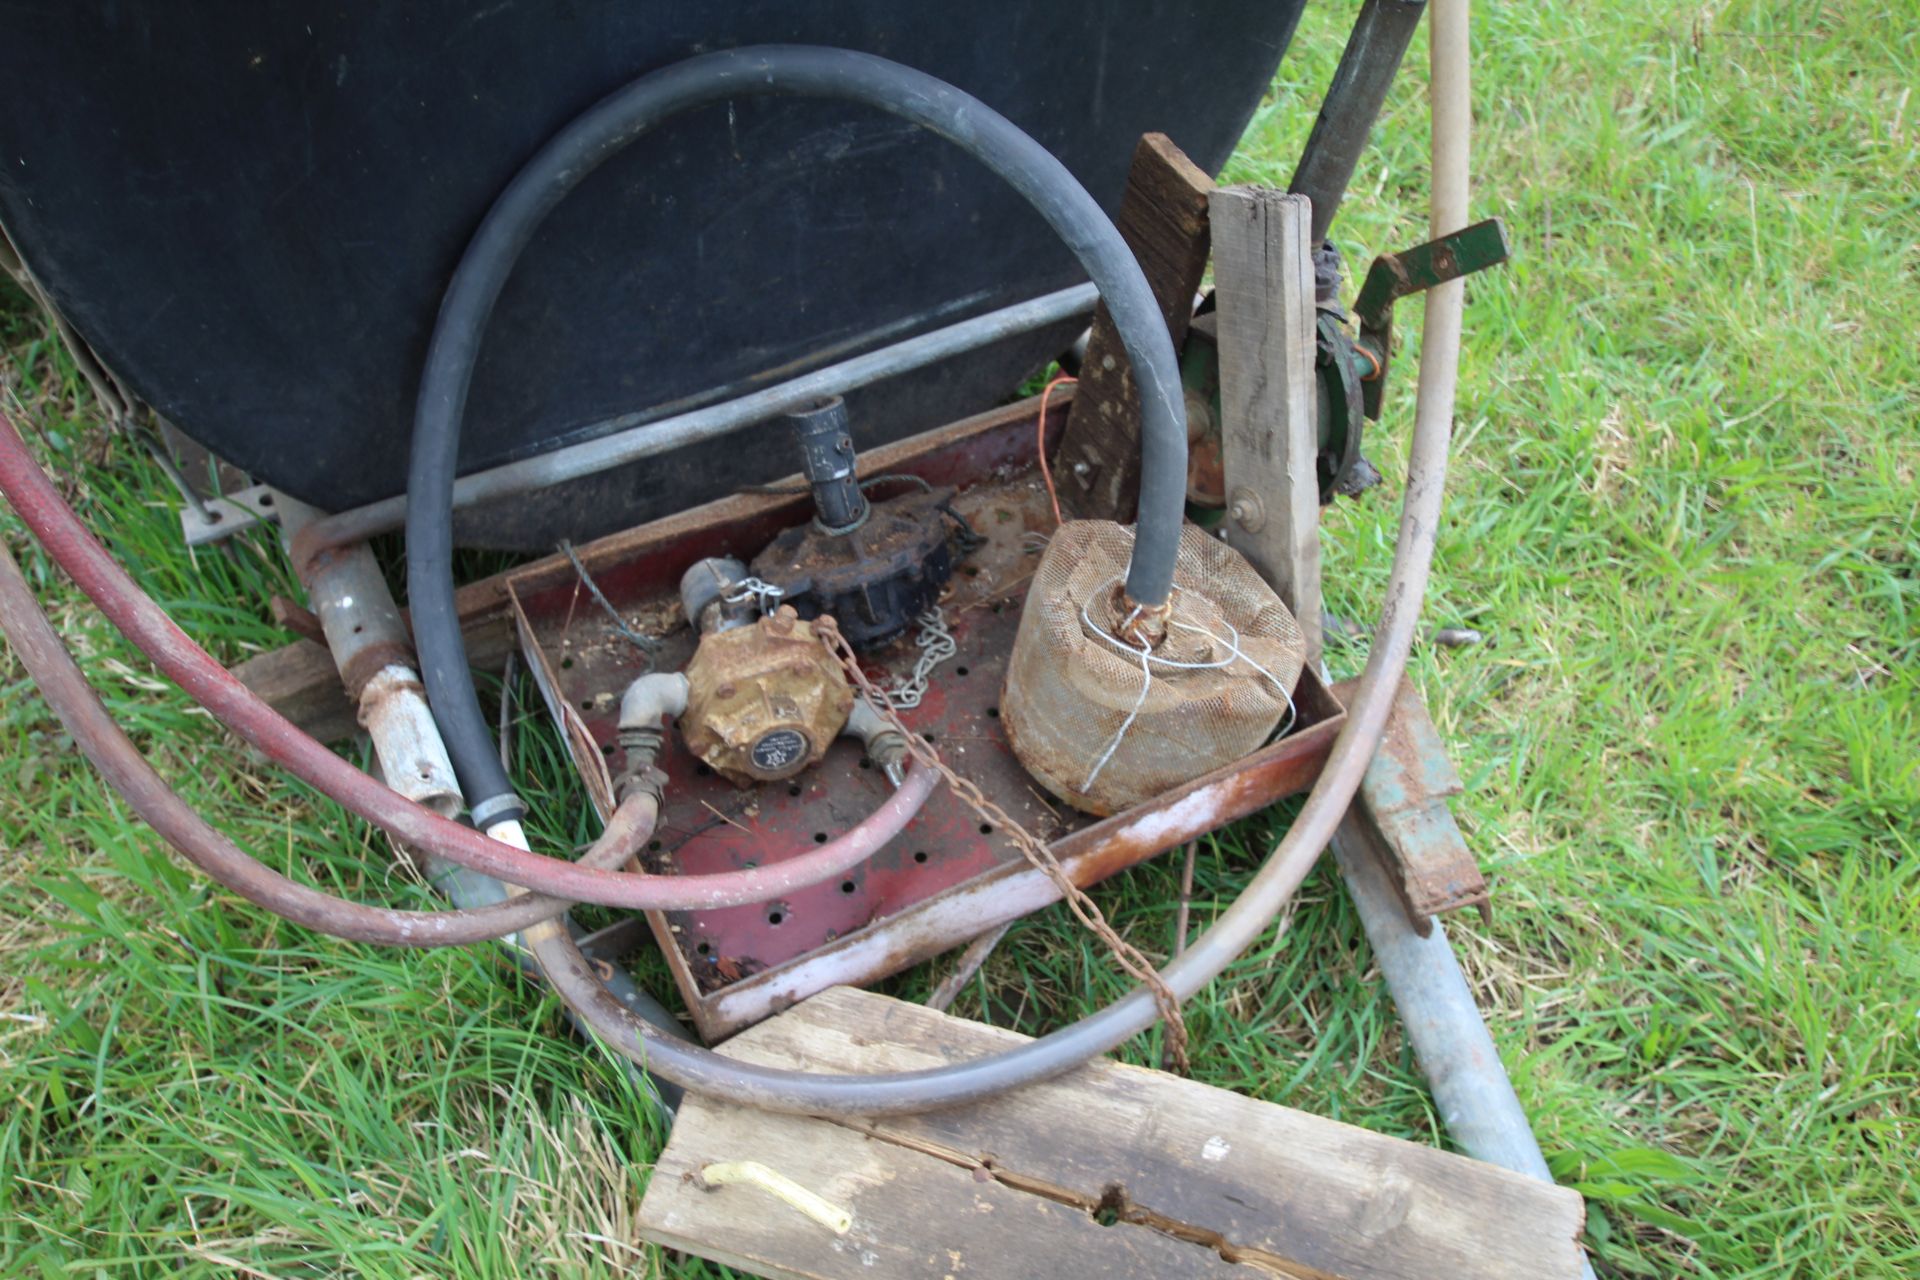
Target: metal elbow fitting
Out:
[644,708]
[651,699]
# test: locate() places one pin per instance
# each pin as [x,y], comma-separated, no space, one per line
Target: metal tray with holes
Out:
[947,877]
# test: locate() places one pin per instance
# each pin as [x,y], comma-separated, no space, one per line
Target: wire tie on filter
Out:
[1148,657]
[1146,683]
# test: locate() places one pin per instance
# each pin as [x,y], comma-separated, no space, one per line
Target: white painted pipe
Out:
[350,597]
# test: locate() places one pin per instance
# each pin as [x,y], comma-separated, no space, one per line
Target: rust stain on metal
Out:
[370,661]
[764,701]
[293,616]
[1404,803]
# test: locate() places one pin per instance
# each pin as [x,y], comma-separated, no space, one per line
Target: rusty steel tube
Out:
[368,639]
[143,622]
[127,771]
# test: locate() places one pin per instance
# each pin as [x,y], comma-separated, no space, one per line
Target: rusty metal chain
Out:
[1035,850]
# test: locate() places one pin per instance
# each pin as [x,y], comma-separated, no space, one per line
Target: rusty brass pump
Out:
[764,697]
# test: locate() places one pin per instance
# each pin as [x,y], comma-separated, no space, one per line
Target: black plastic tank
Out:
[250,212]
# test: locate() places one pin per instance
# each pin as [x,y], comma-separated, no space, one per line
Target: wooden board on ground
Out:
[1163,218]
[1111,1170]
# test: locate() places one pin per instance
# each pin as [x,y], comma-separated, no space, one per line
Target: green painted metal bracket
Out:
[1394,276]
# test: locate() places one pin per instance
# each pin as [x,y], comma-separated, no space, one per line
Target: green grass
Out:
[1683,510]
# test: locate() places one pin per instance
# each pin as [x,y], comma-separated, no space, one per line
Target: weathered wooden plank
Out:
[1163,218]
[1263,286]
[301,682]
[1246,1181]
[914,1214]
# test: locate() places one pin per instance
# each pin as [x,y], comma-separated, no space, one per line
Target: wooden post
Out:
[1163,218]
[1263,281]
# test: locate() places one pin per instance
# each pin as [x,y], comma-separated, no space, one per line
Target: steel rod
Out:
[1359,89]
[1450,1040]
[632,437]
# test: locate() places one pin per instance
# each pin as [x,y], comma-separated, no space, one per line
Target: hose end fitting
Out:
[886,746]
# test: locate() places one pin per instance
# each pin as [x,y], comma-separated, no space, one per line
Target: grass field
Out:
[1684,511]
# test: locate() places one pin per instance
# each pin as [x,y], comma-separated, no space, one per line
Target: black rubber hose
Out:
[609,126]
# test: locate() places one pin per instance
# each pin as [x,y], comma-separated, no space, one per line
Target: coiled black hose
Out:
[608,127]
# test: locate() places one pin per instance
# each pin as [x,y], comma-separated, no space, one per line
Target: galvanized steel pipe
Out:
[634,436]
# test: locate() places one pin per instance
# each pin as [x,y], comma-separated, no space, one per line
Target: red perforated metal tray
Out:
[946,878]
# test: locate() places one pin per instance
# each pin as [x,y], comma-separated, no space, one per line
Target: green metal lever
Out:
[1394,276]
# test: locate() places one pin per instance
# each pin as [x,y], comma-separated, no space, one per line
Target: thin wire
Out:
[1233,646]
[1040,430]
[1146,683]
[1148,657]
[645,644]
[506,714]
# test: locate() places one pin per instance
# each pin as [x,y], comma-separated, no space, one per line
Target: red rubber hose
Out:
[234,705]
[127,772]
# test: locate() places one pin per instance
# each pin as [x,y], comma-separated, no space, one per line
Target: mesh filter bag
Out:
[1097,730]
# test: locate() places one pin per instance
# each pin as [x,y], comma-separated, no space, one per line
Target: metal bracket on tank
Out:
[206,520]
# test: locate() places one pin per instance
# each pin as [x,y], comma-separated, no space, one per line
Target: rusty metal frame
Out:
[1403,803]
[972,881]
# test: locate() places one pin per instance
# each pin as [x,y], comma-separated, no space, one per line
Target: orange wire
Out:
[1040,429]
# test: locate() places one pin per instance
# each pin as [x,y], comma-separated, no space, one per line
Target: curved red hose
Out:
[237,707]
[147,793]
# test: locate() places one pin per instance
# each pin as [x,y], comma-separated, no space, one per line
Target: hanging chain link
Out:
[765,595]
[1035,850]
[936,646]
